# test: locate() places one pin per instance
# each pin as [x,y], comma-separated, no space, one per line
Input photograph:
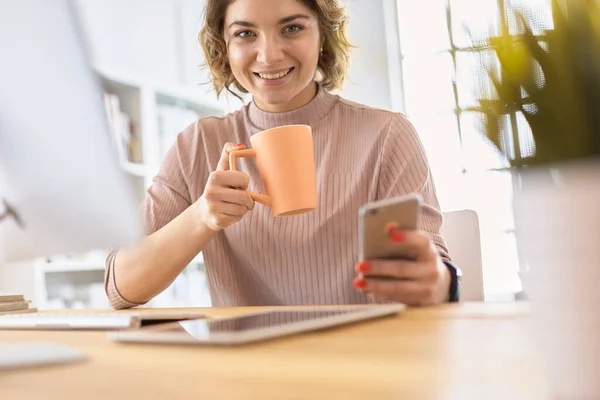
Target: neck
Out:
[301,99]
[316,107]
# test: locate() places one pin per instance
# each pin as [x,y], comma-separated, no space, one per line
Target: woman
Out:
[288,54]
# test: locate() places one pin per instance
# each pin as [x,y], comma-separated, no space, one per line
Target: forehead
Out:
[264,11]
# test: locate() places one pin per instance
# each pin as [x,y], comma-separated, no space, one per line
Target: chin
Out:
[276,99]
[277,96]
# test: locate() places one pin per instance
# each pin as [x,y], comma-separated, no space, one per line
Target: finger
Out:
[408,292]
[417,240]
[398,269]
[228,179]
[233,196]
[223,164]
[227,209]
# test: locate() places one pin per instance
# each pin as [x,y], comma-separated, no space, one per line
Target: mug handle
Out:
[250,153]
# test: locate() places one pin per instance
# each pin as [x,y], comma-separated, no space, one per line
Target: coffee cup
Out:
[285,159]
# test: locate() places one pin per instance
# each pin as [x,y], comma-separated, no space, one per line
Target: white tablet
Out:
[253,327]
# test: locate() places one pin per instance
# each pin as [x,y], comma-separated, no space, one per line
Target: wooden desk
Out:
[467,351]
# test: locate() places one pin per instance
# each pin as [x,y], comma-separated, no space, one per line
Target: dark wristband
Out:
[455,275]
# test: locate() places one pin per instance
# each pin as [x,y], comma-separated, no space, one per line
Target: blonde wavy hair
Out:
[333,61]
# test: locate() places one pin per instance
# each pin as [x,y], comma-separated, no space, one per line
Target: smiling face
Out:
[273,50]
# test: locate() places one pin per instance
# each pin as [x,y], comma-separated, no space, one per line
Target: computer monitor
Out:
[62,189]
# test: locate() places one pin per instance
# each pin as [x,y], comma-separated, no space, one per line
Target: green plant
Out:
[554,81]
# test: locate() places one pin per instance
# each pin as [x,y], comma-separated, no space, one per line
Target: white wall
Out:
[156,40]
[368,80]
[134,36]
[18,278]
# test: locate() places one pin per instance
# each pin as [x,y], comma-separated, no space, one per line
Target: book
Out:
[24,311]
[8,297]
[14,304]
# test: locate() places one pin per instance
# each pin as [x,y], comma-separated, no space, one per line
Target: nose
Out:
[270,51]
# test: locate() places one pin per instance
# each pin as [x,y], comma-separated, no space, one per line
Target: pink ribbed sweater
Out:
[362,154]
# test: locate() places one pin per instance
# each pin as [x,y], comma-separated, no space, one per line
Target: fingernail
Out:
[238,145]
[363,267]
[397,237]
[360,283]
[391,227]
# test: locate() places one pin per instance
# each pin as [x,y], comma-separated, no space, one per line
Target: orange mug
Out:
[286,164]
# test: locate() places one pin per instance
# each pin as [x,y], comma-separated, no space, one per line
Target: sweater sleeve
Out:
[167,197]
[404,169]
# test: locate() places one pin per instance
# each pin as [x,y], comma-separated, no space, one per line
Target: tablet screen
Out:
[253,327]
[203,329]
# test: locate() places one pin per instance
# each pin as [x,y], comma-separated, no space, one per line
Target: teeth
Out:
[275,76]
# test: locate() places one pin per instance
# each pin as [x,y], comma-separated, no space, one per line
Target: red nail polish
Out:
[360,283]
[391,227]
[363,267]
[238,145]
[397,237]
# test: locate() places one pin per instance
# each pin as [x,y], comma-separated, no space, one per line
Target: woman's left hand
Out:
[422,281]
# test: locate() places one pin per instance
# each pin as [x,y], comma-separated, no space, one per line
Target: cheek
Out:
[238,59]
[307,54]
[310,64]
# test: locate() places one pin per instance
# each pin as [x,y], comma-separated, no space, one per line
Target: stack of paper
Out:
[14,304]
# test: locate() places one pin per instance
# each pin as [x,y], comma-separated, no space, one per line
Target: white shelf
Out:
[73,266]
[65,279]
[118,77]
[95,265]
[187,95]
[135,169]
[199,259]
[180,93]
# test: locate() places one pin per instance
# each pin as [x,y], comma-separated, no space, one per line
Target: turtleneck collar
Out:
[309,114]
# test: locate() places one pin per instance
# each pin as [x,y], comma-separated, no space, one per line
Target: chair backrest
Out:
[460,229]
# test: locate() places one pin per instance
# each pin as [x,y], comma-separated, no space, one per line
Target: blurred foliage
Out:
[554,80]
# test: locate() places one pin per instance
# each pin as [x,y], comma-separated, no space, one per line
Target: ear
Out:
[323,41]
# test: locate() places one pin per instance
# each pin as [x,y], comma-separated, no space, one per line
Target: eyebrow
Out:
[281,21]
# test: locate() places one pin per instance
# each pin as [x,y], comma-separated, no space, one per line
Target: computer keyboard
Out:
[100,321]
[95,320]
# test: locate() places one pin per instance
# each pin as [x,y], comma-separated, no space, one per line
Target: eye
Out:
[292,29]
[244,34]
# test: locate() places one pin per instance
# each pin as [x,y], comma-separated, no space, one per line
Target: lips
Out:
[275,75]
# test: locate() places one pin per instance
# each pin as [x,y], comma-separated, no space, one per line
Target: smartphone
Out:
[375,217]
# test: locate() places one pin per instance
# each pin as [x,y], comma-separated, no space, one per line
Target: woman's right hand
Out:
[225,199]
